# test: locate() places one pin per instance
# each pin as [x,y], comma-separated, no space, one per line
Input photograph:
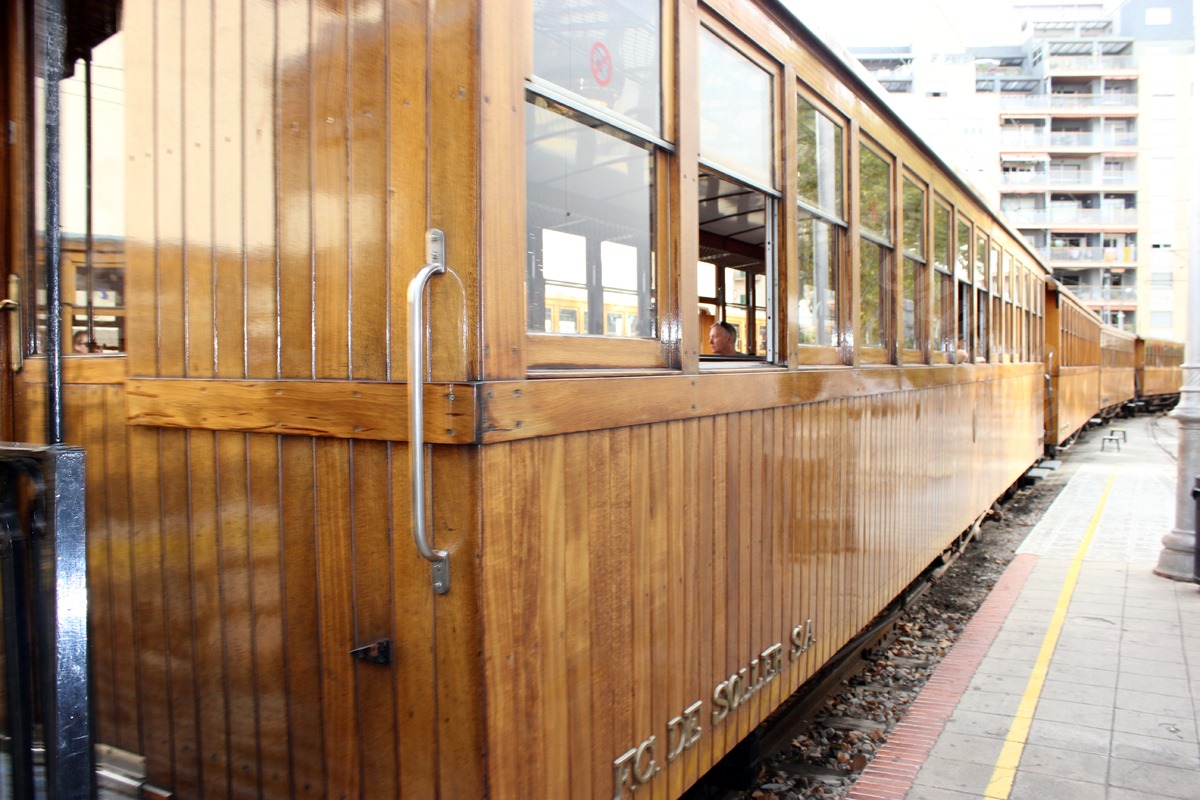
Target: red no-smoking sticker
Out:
[602,66]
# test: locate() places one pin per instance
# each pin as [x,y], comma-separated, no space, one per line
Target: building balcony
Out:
[1089,64]
[1106,295]
[1079,217]
[1068,139]
[1106,102]
[1099,256]
[1069,177]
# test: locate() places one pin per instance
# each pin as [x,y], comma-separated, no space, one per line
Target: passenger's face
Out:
[719,340]
[80,346]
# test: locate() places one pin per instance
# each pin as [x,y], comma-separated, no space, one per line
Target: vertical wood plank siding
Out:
[706,542]
[277,198]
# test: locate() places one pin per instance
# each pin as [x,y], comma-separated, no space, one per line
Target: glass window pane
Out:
[735,111]
[590,222]
[819,167]
[604,51]
[963,260]
[875,178]
[818,282]
[908,334]
[981,252]
[941,237]
[942,328]
[914,219]
[873,324]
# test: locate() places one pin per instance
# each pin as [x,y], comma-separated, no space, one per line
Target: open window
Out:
[736,272]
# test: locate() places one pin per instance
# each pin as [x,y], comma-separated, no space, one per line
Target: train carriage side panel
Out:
[250,525]
[539,632]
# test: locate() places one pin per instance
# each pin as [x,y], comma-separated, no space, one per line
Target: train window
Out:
[981,254]
[913,270]
[91,275]
[820,227]
[914,219]
[874,193]
[875,326]
[996,330]
[732,275]
[736,112]
[941,329]
[819,160]
[606,53]
[736,271]
[590,202]
[819,277]
[966,319]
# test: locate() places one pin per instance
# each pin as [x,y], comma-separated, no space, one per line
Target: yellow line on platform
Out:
[1005,771]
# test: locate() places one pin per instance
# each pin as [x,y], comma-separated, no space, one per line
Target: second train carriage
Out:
[637,548]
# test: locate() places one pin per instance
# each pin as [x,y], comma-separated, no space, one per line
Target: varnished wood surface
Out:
[706,540]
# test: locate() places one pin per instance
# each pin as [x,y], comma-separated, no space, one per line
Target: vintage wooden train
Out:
[418,462]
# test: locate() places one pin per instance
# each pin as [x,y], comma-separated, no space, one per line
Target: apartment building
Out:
[1082,135]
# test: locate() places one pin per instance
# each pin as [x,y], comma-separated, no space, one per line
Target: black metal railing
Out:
[43,570]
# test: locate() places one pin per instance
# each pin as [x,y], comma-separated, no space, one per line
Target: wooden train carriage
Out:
[1073,334]
[1117,373]
[1159,368]
[649,546]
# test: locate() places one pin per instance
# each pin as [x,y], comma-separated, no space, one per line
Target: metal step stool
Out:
[1118,432]
[1114,439]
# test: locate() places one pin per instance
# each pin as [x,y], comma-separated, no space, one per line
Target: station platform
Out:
[1079,677]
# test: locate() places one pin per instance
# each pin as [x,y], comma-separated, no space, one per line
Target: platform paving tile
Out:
[957,776]
[978,723]
[1150,703]
[1070,691]
[983,750]
[1036,786]
[1170,654]
[1166,781]
[934,793]
[1176,688]
[1002,684]
[994,665]
[1072,663]
[1078,643]
[1074,713]
[1071,673]
[1176,727]
[1069,764]
[990,702]
[1136,747]
[1131,665]
[1065,736]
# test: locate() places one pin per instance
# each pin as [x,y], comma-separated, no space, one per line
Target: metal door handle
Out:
[435,256]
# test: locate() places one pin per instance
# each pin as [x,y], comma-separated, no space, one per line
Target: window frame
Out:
[922,288]
[777,239]
[558,352]
[887,352]
[837,352]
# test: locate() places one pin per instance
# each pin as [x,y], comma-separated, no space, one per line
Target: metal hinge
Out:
[377,652]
